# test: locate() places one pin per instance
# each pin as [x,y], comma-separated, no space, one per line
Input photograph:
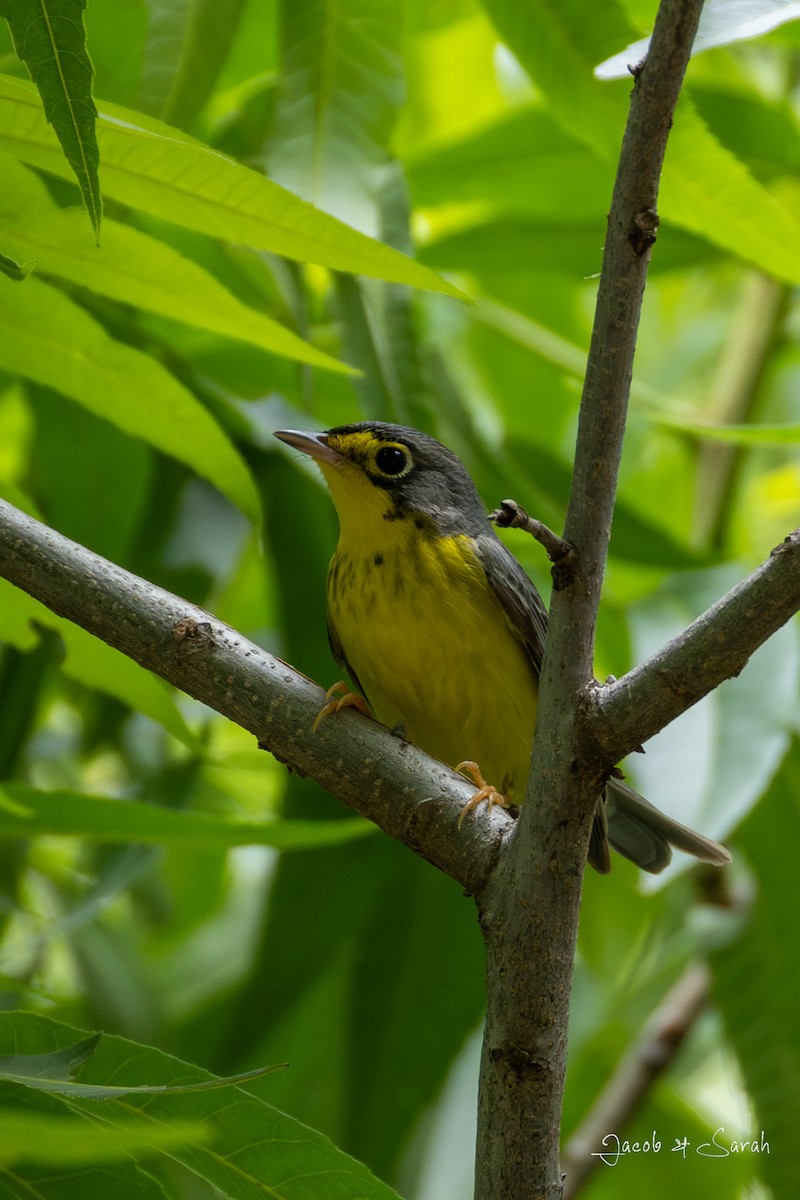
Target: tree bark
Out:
[529,911]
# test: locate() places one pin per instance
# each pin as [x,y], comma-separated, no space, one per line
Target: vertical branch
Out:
[529,911]
[632,230]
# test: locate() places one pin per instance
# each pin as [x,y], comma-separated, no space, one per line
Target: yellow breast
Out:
[428,640]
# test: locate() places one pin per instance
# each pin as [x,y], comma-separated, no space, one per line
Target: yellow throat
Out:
[424,634]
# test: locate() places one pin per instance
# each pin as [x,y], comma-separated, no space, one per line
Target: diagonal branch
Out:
[713,648]
[387,780]
[409,795]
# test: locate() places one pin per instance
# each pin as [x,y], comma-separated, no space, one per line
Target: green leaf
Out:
[46,337]
[155,168]
[60,1064]
[707,190]
[92,663]
[396,986]
[66,1142]
[493,251]
[367,346]
[186,46]
[721,24]
[737,435]
[558,42]
[50,38]
[14,270]
[712,764]
[633,537]
[340,89]
[495,247]
[53,1073]
[523,163]
[763,133]
[135,268]
[103,461]
[26,812]
[757,978]
[257,1151]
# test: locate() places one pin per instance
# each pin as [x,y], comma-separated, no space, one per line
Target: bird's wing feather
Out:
[520,601]
[633,826]
[527,615]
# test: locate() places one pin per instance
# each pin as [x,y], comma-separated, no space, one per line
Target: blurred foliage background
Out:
[134,420]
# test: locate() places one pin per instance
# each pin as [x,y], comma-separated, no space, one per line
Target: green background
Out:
[140,383]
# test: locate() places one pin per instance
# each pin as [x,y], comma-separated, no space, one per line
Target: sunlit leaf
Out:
[155,168]
[708,191]
[341,87]
[722,22]
[736,435]
[48,338]
[524,163]
[136,269]
[558,44]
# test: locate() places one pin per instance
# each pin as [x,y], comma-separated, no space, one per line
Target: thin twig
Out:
[511,515]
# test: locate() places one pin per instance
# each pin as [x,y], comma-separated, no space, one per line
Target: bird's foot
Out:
[486,793]
[339,697]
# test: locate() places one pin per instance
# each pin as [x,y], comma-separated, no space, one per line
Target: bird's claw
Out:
[346,699]
[486,793]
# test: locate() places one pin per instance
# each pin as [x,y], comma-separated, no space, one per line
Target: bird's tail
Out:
[645,835]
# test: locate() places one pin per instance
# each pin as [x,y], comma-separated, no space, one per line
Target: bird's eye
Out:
[392,460]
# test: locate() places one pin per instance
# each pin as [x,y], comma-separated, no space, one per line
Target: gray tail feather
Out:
[645,835]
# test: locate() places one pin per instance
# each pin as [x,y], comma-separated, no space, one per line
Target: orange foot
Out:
[346,700]
[485,790]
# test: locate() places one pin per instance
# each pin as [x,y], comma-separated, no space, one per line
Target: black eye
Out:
[392,460]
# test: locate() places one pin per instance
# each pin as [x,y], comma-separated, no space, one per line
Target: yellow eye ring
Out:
[392,460]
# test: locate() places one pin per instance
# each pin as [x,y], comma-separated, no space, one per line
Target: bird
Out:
[441,631]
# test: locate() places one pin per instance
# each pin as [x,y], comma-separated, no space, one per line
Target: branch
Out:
[648,1058]
[529,912]
[715,647]
[510,515]
[389,781]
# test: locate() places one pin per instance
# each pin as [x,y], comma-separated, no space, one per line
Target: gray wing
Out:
[633,826]
[525,610]
[520,601]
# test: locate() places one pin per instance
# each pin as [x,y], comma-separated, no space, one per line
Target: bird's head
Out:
[382,472]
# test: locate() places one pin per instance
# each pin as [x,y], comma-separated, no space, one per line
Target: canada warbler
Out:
[442,632]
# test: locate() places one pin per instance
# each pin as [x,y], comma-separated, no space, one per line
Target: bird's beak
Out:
[315,445]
